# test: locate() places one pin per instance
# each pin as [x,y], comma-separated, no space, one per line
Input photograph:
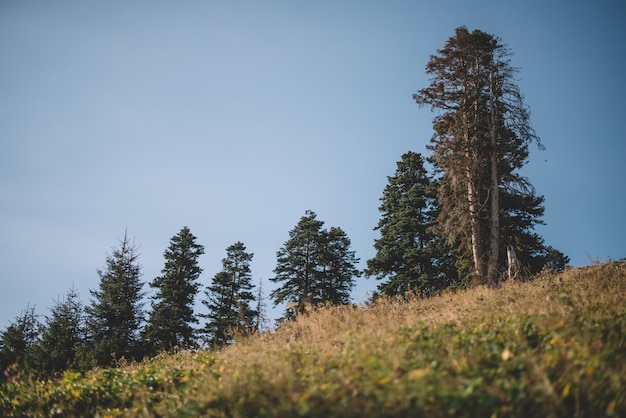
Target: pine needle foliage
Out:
[116,311]
[62,340]
[314,267]
[170,322]
[409,256]
[228,299]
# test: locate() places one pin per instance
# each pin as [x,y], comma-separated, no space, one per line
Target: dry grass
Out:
[554,346]
[549,295]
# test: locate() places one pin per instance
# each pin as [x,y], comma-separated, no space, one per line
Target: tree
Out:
[315,266]
[18,344]
[63,335]
[229,297]
[169,324]
[481,138]
[116,312]
[261,317]
[336,270]
[408,254]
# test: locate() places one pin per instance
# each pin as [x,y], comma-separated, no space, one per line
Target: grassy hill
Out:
[555,346]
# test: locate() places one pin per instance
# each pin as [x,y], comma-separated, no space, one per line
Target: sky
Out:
[235,117]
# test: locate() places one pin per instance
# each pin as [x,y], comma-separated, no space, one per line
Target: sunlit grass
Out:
[554,346]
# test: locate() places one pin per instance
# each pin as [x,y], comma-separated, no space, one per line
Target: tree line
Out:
[468,220]
[314,266]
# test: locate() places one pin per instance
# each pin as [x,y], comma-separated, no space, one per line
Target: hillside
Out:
[554,346]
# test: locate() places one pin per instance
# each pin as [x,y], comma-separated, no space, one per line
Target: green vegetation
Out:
[314,267]
[116,312]
[554,346]
[229,298]
[169,323]
[408,254]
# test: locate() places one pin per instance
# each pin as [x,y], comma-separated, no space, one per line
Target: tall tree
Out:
[114,317]
[18,345]
[172,315]
[63,335]
[408,254]
[229,298]
[481,138]
[337,268]
[315,266]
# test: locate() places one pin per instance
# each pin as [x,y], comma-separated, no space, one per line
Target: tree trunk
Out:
[477,242]
[512,262]
[494,224]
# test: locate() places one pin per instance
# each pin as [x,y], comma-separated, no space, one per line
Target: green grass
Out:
[555,346]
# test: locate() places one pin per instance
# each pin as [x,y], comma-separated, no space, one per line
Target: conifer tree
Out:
[18,345]
[114,317]
[408,254]
[481,140]
[170,322]
[63,335]
[315,266]
[229,297]
[337,269]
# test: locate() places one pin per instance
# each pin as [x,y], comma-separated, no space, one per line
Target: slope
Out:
[554,346]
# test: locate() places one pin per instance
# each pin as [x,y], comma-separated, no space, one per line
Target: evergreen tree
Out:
[336,270]
[18,345]
[229,297]
[63,335]
[481,140]
[115,315]
[172,315]
[315,266]
[408,254]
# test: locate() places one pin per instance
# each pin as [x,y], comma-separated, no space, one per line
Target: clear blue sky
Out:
[233,118]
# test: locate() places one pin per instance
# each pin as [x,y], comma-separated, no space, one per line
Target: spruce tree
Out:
[229,297]
[314,266]
[114,317]
[62,341]
[337,269]
[481,140]
[18,345]
[297,264]
[170,322]
[408,254]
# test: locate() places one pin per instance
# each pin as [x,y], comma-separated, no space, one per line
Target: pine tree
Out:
[337,269]
[115,315]
[170,322]
[315,266]
[63,335]
[481,138]
[408,254]
[296,265]
[229,298]
[18,345]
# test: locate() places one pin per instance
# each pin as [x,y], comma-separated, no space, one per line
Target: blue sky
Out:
[233,118]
